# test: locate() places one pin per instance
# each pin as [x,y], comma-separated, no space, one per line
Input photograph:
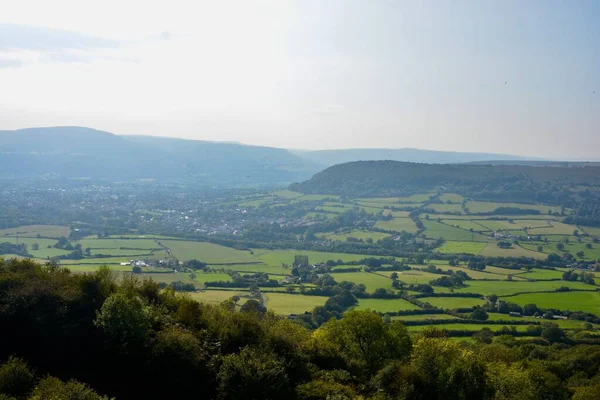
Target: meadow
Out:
[453,302]
[385,305]
[32,231]
[397,225]
[575,301]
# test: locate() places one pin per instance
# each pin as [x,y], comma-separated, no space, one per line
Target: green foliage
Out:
[54,389]
[252,374]
[16,378]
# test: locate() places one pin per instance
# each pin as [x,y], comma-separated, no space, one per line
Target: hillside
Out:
[82,153]
[390,178]
[333,157]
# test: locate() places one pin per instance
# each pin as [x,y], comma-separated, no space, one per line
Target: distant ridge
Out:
[394,178]
[333,157]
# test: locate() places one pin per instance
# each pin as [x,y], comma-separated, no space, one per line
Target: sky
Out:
[516,77]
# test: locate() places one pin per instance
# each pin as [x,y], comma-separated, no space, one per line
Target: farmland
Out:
[453,225]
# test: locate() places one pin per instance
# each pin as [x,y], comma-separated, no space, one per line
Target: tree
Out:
[125,320]
[479,314]
[35,246]
[560,246]
[580,254]
[136,269]
[52,388]
[253,306]
[553,334]
[485,336]
[363,339]
[394,275]
[540,249]
[290,289]
[16,379]
[253,374]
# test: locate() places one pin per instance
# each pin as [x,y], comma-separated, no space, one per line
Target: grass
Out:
[285,304]
[278,257]
[446,208]
[218,296]
[504,288]
[32,231]
[542,274]
[461,247]
[572,247]
[397,225]
[424,317]
[356,234]
[555,228]
[385,305]
[414,276]
[507,225]
[563,323]
[466,224]
[453,302]
[474,274]
[208,252]
[465,327]
[574,301]
[453,197]
[485,207]
[146,244]
[436,230]
[492,250]
[370,280]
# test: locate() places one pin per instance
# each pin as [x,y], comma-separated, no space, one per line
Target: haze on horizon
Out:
[501,77]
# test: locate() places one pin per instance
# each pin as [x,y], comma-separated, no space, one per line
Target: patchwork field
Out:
[32,231]
[397,225]
[575,301]
[385,305]
[461,247]
[453,302]
[285,304]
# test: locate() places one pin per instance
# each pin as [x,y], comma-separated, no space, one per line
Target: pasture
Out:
[492,250]
[574,301]
[504,288]
[454,247]
[356,234]
[285,304]
[436,230]
[33,231]
[371,280]
[453,302]
[385,305]
[397,225]
[208,252]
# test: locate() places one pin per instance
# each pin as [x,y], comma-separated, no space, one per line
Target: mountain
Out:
[77,152]
[394,178]
[333,157]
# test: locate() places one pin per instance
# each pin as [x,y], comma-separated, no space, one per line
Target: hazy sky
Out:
[496,76]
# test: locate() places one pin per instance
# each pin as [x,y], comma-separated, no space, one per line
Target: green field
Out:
[485,207]
[218,296]
[285,304]
[397,225]
[572,247]
[385,305]
[370,280]
[492,250]
[356,234]
[466,224]
[32,231]
[436,230]
[277,257]
[208,252]
[542,274]
[453,302]
[424,317]
[503,288]
[574,301]
[461,247]
[452,197]
[466,327]
[446,208]
[555,228]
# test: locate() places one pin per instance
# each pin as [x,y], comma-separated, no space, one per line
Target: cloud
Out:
[22,45]
[22,37]
[328,110]
[10,63]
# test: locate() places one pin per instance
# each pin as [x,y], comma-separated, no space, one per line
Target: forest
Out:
[90,336]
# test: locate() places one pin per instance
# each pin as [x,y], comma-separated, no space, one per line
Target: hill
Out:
[82,153]
[393,178]
[333,157]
